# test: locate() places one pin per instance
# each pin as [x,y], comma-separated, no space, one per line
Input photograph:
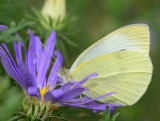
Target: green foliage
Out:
[35,110]
[10,99]
[11,10]
[9,34]
[106,115]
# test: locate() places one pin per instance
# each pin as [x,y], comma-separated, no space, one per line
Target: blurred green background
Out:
[97,18]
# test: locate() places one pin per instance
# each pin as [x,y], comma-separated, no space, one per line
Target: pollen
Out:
[44,90]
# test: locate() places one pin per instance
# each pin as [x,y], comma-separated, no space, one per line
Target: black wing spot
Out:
[123,50]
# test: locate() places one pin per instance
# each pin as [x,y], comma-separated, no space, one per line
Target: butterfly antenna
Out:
[50,53]
[43,58]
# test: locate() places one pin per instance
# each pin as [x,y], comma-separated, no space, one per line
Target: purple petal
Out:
[66,87]
[20,44]
[9,55]
[97,98]
[33,91]
[112,108]
[17,35]
[38,51]
[85,79]
[47,55]
[71,94]
[59,96]
[18,54]
[97,107]
[53,77]
[49,96]
[100,107]
[31,53]
[2,27]
[10,67]
[60,80]
[53,95]
[27,77]
[93,107]
[79,100]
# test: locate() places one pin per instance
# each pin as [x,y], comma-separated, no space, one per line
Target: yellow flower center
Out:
[44,90]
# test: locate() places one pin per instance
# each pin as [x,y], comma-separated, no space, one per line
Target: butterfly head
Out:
[64,74]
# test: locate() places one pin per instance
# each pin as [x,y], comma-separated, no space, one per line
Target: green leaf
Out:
[66,39]
[39,108]
[106,115]
[43,111]
[14,118]
[115,116]
[23,24]
[21,113]
[9,34]
[33,109]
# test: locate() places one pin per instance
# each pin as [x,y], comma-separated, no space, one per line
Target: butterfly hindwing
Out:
[128,73]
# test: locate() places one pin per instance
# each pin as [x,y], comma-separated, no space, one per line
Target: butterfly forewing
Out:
[133,37]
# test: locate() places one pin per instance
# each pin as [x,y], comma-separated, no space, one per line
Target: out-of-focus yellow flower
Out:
[55,9]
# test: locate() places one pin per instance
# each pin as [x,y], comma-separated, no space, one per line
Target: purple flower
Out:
[31,73]
[2,27]
[67,95]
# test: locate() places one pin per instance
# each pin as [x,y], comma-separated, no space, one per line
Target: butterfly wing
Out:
[126,72]
[132,37]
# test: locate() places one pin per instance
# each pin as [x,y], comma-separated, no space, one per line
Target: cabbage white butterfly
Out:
[122,62]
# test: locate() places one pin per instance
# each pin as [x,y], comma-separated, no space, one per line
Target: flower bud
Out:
[55,9]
